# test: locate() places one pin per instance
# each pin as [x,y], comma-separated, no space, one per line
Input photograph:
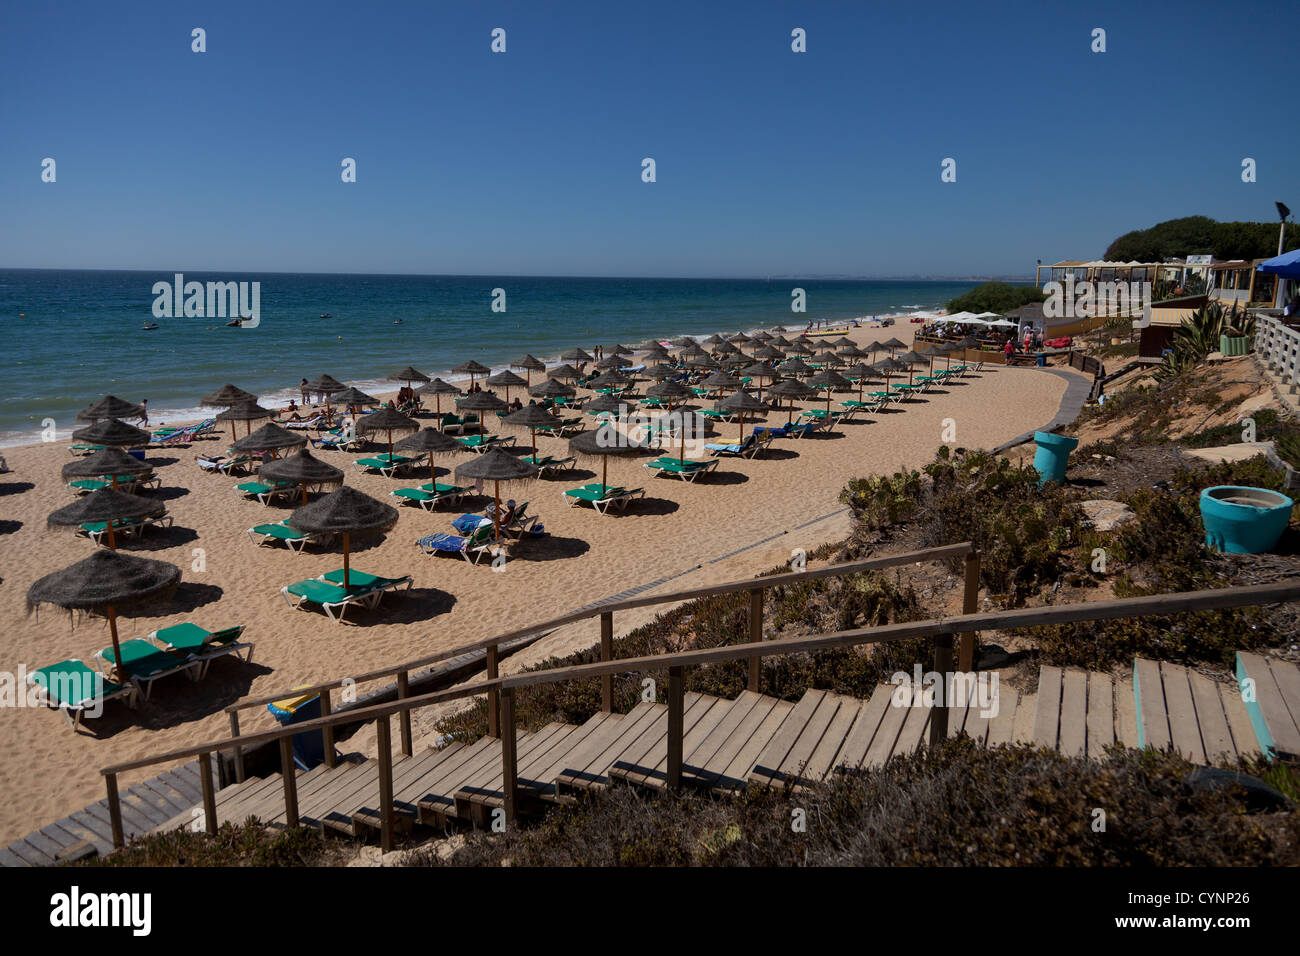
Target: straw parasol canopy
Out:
[792,389]
[303,469]
[496,466]
[602,443]
[740,338]
[577,355]
[843,342]
[507,380]
[481,402]
[245,411]
[801,347]
[429,441]
[660,372]
[270,438]
[714,340]
[862,372]
[472,368]
[743,402]
[346,512]
[853,352]
[109,461]
[564,372]
[657,354]
[701,361]
[892,345]
[608,380]
[619,350]
[530,365]
[761,336]
[324,385]
[388,420]
[670,391]
[531,417]
[780,342]
[794,366]
[552,389]
[760,372]
[612,362]
[408,375]
[438,388]
[829,380]
[110,406]
[768,353]
[112,432]
[105,579]
[828,358]
[606,403]
[354,397]
[684,342]
[107,505]
[226,396]
[911,360]
[721,380]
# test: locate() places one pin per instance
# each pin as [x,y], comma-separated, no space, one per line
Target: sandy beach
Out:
[688,532]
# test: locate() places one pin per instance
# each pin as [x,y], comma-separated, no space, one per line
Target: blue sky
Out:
[529,162]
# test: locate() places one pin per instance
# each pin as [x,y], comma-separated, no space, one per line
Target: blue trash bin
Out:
[1052,455]
[308,748]
[1042,359]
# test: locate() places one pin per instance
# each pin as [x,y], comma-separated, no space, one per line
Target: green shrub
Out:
[248,844]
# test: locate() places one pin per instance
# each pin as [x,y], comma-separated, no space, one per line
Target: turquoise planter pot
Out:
[1052,455]
[1243,520]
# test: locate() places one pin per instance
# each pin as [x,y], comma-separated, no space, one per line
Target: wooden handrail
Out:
[945,552]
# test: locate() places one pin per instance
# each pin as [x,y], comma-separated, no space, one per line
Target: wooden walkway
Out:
[729,745]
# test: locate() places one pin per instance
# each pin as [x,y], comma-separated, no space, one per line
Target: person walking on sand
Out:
[144,412]
[303,388]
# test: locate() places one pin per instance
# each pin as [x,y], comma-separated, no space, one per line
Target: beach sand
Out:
[47,771]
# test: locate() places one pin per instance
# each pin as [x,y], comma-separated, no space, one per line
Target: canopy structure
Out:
[303,469]
[1287,265]
[105,505]
[270,438]
[346,512]
[438,388]
[496,466]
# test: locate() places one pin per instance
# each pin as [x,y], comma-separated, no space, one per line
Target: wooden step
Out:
[1274,705]
[594,770]
[1205,722]
[701,713]
[767,769]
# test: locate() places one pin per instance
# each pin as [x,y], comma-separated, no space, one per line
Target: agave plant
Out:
[1198,336]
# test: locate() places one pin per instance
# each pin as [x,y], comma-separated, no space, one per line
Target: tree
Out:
[996,297]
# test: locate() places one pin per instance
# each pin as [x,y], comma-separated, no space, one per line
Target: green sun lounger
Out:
[334,600]
[96,531]
[687,470]
[386,465]
[79,691]
[266,493]
[603,498]
[292,538]
[482,442]
[145,663]
[430,495]
[361,582]
[201,644]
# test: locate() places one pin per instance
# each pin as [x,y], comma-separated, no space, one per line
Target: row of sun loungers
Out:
[328,592]
[77,690]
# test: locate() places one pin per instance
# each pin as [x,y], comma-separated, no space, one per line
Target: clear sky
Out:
[529,162]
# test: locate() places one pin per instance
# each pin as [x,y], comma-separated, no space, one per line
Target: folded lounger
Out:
[471,547]
[145,663]
[292,538]
[330,597]
[603,498]
[430,494]
[77,690]
[202,645]
[687,470]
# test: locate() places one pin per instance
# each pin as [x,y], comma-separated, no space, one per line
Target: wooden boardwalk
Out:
[729,745]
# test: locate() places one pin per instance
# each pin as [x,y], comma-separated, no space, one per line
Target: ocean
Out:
[70,337]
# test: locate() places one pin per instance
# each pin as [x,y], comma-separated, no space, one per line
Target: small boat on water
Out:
[149,326]
[236,322]
[326,315]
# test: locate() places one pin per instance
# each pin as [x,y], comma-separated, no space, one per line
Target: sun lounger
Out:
[471,547]
[566,426]
[482,442]
[316,421]
[603,498]
[687,470]
[202,645]
[549,463]
[458,423]
[77,690]
[361,582]
[334,600]
[518,524]
[292,538]
[267,493]
[224,464]
[430,495]
[96,531]
[145,663]
[386,465]
[749,448]
[80,449]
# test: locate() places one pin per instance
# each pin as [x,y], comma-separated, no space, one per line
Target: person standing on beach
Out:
[303,388]
[144,412]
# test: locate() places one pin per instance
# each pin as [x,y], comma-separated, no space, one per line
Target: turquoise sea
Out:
[70,337]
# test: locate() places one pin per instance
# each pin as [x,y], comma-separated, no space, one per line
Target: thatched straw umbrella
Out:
[760,372]
[721,380]
[438,388]
[346,512]
[226,396]
[893,345]
[794,366]
[269,438]
[408,375]
[608,380]
[324,385]
[843,342]
[911,360]
[564,372]
[829,359]
[352,399]
[472,368]
[105,580]
[552,389]
[110,406]
[107,505]
[862,372]
[606,403]
[112,433]
[790,388]
[576,355]
[761,336]
[611,362]
[430,441]
[496,466]
[602,443]
[531,417]
[507,380]
[388,420]
[530,365]
[303,469]
[108,461]
[768,353]
[829,380]
[659,372]
[742,402]
[247,412]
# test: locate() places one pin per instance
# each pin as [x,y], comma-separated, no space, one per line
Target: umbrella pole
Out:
[533,432]
[496,511]
[112,539]
[233,436]
[604,473]
[304,492]
[431,475]
[116,672]
[346,562]
[438,411]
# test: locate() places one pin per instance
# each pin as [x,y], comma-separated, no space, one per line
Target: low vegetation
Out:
[248,844]
[996,297]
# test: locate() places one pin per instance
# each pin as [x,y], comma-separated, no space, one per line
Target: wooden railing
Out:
[940,630]
[492,645]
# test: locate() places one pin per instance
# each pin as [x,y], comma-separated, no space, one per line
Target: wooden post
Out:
[209,795]
[494,696]
[385,744]
[239,751]
[509,767]
[942,667]
[755,635]
[607,654]
[114,810]
[289,776]
[327,732]
[676,722]
[404,690]
[969,605]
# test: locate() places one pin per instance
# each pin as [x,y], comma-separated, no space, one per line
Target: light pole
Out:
[1278,282]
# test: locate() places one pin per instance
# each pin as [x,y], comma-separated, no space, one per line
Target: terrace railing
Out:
[1279,347]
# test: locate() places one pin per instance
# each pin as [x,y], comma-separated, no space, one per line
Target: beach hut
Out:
[106,580]
[107,506]
[496,466]
[346,512]
[303,469]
